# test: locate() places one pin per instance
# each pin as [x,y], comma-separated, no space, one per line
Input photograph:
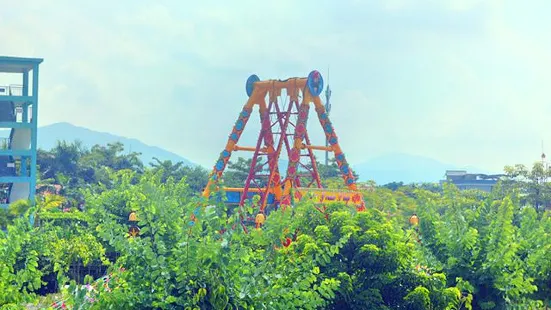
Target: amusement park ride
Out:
[284,107]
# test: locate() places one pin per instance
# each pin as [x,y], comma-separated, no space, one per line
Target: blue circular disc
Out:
[239,125]
[333,140]
[328,128]
[340,156]
[244,113]
[249,86]
[233,136]
[350,181]
[315,83]
[323,115]
[225,153]
[219,165]
[344,169]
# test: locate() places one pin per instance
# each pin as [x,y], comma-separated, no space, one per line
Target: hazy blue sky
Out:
[465,82]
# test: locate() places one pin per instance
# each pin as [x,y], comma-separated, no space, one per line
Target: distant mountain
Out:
[393,167]
[50,134]
[399,167]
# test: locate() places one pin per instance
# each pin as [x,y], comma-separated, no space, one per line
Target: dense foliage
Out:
[470,250]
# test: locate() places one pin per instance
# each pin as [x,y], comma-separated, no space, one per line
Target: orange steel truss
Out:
[283,129]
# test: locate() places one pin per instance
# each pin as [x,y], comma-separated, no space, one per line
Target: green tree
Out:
[168,168]
[534,184]
[177,262]
[236,173]
[394,185]
[196,176]
[32,254]
[476,241]
[113,157]
[63,158]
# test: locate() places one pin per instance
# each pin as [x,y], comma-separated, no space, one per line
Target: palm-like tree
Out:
[168,168]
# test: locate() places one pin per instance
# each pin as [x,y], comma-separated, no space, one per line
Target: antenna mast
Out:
[543,163]
[543,155]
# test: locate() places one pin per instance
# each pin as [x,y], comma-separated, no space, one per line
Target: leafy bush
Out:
[479,242]
[192,253]
[192,256]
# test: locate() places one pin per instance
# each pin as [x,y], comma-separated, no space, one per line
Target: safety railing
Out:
[11,90]
[16,90]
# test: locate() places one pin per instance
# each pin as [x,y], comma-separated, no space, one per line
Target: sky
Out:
[464,82]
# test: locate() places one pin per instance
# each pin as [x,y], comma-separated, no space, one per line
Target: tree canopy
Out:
[464,250]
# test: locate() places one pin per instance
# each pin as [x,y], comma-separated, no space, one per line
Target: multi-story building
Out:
[464,180]
[18,114]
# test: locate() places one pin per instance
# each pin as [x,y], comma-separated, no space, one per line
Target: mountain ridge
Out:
[48,136]
[407,168]
[386,168]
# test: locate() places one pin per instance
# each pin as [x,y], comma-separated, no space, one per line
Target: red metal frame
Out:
[292,121]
